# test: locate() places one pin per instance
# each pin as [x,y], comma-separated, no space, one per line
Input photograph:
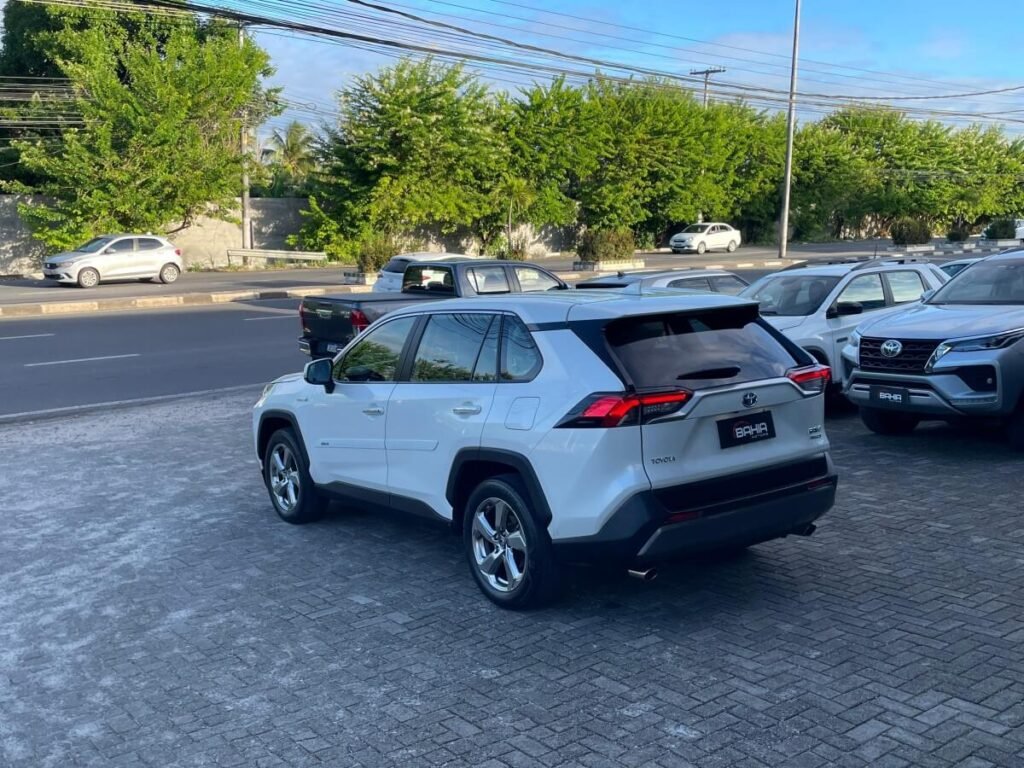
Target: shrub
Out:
[908,231]
[605,245]
[374,251]
[958,234]
[515,251]
[1001,229]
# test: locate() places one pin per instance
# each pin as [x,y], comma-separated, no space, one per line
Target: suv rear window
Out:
[396,265]
[699,350]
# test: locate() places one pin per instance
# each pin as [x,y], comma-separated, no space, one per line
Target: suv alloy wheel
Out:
[509,554]
[286,474]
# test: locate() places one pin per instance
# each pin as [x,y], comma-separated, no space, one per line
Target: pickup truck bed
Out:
[329,323]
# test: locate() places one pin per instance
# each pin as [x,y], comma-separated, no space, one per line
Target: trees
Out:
[290,157]
[160,109]
[417,145]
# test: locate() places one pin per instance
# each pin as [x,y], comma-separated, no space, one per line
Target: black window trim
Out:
[502,356]
[404,375]
[890,297]
[402,356]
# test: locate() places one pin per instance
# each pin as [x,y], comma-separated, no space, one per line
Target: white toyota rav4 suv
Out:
[550,428]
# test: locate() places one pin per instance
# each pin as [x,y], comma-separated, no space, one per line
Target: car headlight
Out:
[266,391]
[977,344]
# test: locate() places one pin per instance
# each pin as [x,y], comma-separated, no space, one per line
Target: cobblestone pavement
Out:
[154,612]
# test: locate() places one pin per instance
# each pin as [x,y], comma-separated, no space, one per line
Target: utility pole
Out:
[707,73]
[790,132]
[246,211]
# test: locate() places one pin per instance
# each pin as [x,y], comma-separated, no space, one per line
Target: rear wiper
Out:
[711,373]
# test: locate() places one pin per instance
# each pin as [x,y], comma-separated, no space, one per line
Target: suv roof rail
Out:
[892,260]
[821,263]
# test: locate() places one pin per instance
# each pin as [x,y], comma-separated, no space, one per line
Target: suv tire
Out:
[508,551]
[286,475]
[889,422]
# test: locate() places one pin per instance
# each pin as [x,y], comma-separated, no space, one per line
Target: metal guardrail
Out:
[245,255]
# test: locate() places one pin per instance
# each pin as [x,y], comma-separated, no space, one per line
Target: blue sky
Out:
[913,47]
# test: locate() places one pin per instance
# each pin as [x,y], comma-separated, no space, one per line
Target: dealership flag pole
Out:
[790,130]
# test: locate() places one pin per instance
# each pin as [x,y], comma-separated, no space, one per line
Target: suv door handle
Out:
[466,410]
[374,410]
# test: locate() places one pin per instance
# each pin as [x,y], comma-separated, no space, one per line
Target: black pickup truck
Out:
[331,322]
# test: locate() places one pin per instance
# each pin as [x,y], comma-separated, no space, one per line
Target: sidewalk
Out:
[35,298]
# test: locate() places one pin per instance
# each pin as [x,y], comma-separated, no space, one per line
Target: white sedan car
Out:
[389,279]
[706,237]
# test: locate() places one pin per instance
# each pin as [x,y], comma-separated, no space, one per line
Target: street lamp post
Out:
[790,131]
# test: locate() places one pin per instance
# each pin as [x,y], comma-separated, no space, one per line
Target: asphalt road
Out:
[29,291]
[66,362]
[90,359]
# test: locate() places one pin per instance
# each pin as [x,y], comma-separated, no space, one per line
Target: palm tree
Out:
[294,149]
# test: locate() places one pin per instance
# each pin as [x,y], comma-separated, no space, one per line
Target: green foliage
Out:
[911,231]
[289,160]
[160,104]
[606,245]
[958,234]
[1001,229]
[374,250]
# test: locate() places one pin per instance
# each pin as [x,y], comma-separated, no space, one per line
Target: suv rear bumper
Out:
[646,530]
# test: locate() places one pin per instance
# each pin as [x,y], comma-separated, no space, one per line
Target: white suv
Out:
[543,428]
[819,306]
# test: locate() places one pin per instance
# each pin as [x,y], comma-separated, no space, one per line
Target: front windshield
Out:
[696,228]
[791,295]
[96,244]
[987,282]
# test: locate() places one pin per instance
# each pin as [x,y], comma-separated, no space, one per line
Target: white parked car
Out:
[704,280]
[706,237]
[818,307]
[116,257]
[389,279]
[578,425]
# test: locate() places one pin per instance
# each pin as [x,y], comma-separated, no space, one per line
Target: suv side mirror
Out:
[320,373]
[844,309]
[927,294]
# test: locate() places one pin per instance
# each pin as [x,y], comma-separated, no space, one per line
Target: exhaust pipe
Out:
[807,530]
[645,574]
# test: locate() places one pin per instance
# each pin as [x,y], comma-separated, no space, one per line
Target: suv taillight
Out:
[812,380]
[358,320]
[624,410]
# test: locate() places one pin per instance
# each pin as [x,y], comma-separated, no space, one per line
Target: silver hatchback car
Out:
[116,257]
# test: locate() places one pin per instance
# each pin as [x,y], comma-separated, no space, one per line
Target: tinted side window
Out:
[149,244]
[729,285]
[376,357]
[450,347]
[865,290]
[396,265]
[122,246]
[691,284]
[520,358]
[489,280]
[905,286]
[533,280]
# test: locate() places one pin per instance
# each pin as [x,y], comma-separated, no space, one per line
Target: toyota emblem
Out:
[750,400]
[891,348]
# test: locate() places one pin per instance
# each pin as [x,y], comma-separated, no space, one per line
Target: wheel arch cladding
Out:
[474,465]
[271,422]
